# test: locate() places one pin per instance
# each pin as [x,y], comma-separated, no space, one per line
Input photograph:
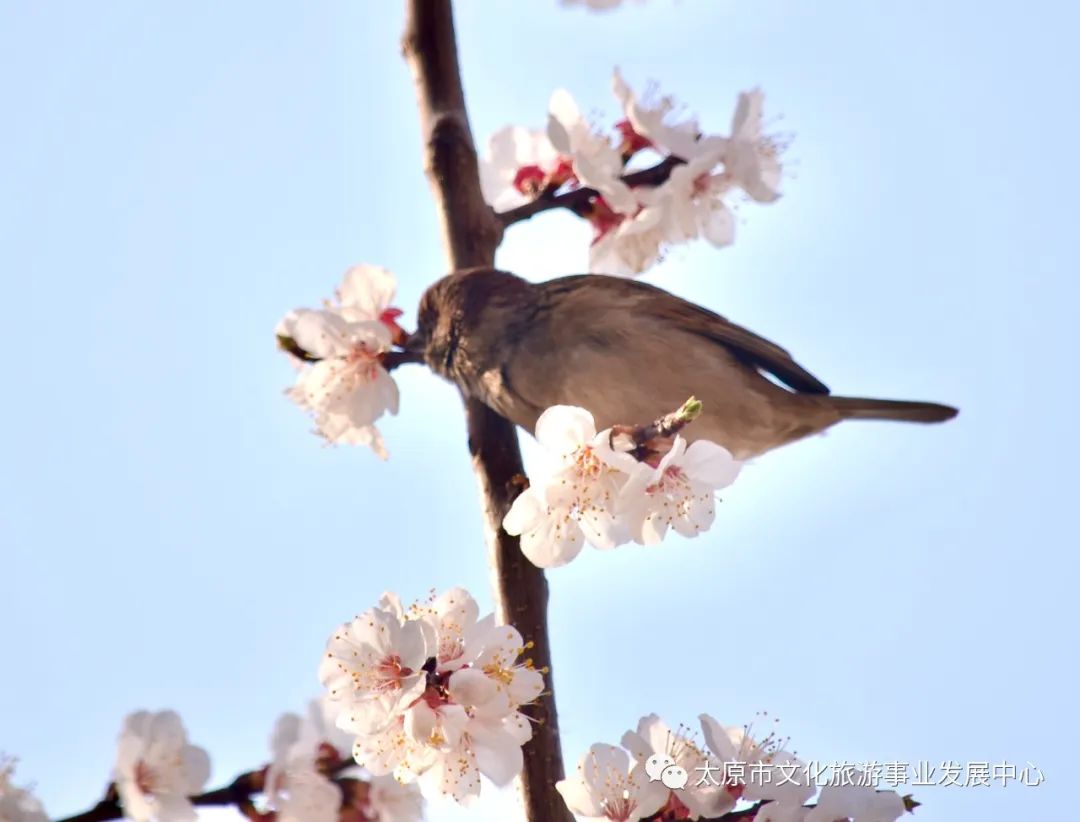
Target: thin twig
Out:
[578,198]
[389,359]
[653,440]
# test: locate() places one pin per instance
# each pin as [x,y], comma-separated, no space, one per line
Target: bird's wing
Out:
[648,300]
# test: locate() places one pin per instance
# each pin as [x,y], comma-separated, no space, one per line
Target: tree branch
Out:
[471,232]
[240,790]
[578,198]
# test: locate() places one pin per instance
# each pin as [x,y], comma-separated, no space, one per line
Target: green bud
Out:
[691,409]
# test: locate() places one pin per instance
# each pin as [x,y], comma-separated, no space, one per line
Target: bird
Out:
[628,352]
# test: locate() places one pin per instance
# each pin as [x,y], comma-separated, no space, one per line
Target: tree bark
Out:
[471,233]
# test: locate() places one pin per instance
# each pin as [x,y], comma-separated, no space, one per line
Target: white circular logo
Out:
[674,777]
[655,764]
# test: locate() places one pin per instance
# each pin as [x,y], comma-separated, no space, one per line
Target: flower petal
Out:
[562,428]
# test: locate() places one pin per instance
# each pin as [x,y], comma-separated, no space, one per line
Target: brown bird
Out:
[628,352]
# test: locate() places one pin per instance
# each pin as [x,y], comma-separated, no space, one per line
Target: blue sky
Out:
[176,176]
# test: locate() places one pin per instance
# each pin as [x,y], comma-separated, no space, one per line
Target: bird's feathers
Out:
[647,300]
[628,352]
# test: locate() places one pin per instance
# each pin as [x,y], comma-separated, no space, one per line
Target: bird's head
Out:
[464,318]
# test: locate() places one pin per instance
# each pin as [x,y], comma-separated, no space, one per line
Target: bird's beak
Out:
[415,343]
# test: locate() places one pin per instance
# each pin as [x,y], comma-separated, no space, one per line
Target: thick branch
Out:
[470,229]
[578,198]
[471,233]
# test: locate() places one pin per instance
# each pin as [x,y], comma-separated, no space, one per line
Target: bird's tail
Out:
[858,408]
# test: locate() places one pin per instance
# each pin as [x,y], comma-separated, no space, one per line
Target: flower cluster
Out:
[667,772]
[432,693]
[157,769]
[634,225]
[339,352]
[606,489]
[298,787]
[17,804]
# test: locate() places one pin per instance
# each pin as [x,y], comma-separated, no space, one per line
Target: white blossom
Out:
[348,389]
[737,767]
[636,225]
[320,732]
[592,491]
[633,244]
[341,379]
[432,693]
[366,293]
[770,773]
[515,683]
[17,804]
[654,738]
[752,158]
[576,502]
[694,195]
[373,667]
[295,788]
[651,119]
[515,165]
[858,803]
[461,748]
[693,201]
[610,785]
[388,800]
[441,741]
[597,164]
[454,618]
[157,769]
[680,492]
[307,796]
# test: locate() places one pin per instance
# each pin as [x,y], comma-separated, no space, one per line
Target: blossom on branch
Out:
[610,785]
[388,800]
[638,216]
[665,774]
[432,693]
[858,802]
[757,769]
[653,742]
[694,197]
[516,167]
[627,246]
[619,485]
[374,667]
[575,502]
[752,158]
[339,349]
[17,804]
[307,751]
[157,769]
[678,492]
[596,163]
[297,789]
[650,122]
